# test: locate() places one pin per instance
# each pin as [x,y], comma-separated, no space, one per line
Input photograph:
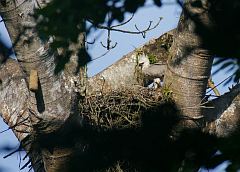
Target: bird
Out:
[155,84]
[154,71]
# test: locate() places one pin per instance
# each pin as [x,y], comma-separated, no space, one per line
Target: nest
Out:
[119,109]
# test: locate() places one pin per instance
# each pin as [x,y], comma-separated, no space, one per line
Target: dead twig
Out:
[115,28]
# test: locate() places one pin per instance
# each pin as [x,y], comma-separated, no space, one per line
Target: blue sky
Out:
[126,43]
[4,38]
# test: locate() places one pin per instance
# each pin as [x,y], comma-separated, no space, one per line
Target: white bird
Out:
[155,84]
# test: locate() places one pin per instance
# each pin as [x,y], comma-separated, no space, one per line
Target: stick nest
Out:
[119,109]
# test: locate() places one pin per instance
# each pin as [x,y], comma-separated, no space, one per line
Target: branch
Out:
[223,116]
[33,114]
[121,74]
[112,28]
[13,97]
[108,46]
[221,104]
[123,23]
[124,73]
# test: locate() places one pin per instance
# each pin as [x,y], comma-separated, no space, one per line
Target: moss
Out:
[167,93]
[152,58]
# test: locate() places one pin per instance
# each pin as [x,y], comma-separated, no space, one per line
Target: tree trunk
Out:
[189,67]
[32,114]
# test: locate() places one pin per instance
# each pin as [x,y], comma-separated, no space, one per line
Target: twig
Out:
[18,149]
[126,31]
[220,83]
[108,46]
[121,24]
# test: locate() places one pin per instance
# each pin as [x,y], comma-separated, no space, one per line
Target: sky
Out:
[125,44]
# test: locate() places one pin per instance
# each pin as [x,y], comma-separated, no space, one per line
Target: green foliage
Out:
[152,58]
[167,93]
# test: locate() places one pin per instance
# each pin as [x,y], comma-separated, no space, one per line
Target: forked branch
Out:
[115,28]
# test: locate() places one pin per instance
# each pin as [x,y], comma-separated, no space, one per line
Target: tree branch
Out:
[112,28]
[13,101]
[134,68]
[223,113]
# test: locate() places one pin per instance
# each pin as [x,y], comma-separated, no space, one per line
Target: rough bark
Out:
[195,42]
[32,114]
[189,64]
[222,114]
[33,53]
